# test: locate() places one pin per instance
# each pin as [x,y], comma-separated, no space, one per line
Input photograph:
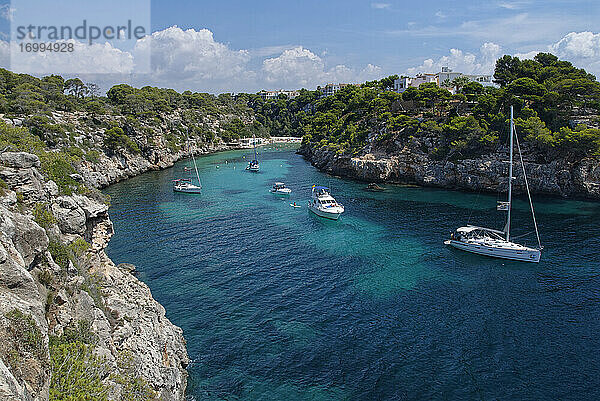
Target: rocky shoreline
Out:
[56,289]
[409,164]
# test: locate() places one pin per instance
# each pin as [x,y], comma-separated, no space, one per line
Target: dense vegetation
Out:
[556,108]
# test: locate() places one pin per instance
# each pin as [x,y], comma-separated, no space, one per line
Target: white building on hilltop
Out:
[331,89]
[447,75]
[268,95]
[403,83]
[442,77]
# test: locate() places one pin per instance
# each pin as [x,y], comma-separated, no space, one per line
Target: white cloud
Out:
[513,5]
[517,29]
[294,65]
[440,14]
[97,58]
[381,6]
[465,62]
[4,54]
[527,56]
[580,48]
[192,58]
[7,12]
[300,67]
[584,45]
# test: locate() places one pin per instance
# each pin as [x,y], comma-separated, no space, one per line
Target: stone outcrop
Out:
[410,164]
[39,294]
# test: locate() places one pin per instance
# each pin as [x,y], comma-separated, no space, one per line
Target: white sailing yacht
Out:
[253,165]
[185,184]
[496,243]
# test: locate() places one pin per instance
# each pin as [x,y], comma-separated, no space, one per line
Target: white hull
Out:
[280,192]
[195,190]
[326,214]
[523,254]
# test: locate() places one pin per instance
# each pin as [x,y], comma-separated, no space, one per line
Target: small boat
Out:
[323,204]
[253,165]
[374,187]
[294,205]
[185,185]
[496,243]
[279,188]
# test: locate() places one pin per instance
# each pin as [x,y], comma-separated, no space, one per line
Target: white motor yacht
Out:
[323,204]
[279,188]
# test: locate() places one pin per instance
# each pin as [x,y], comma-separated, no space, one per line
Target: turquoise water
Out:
[278,304]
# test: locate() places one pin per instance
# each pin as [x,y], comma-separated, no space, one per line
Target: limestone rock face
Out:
[56,295]
[70,217]
[409,165]
[19,160]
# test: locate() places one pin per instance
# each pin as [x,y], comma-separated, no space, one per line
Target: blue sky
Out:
[245,46]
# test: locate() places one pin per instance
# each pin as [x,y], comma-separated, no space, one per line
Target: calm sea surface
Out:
[278,304]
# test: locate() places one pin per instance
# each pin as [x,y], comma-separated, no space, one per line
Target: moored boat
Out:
[279,188]
[496,243]
[253,165]
[186,185]
[324,205]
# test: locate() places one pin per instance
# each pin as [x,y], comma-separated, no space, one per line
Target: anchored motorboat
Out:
[280,189]
[323,204]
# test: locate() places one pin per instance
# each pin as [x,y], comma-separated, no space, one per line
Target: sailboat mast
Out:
[254,143]
[510,174]
[193,158]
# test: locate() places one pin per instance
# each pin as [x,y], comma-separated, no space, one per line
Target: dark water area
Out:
[278,304]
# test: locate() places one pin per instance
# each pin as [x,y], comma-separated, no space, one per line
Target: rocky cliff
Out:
[68,315]
[107,166]
[411,162]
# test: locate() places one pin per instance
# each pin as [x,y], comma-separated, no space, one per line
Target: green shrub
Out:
[79,247]
[42,215]
[24,330]
[81,332]
[401,121]
[172,142]
[19,139]
[57,167]
[77,374]
[93,286]
[133,388]
[75,152]
[92,156]
[115,139]
[60,253]
[20,201]
[46,278]
[3,187]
